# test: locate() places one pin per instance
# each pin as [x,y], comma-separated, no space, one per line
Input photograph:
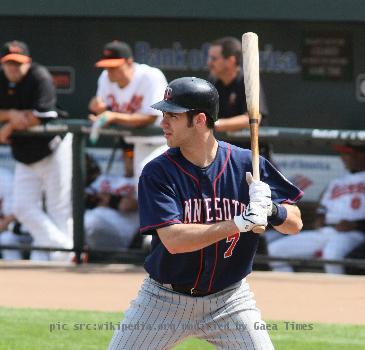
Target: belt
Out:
[189,290]
[186,289]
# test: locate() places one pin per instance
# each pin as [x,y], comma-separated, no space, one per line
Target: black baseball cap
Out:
[16,51]
[114,54]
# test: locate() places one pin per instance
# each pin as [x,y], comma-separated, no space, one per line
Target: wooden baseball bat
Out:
[251,73]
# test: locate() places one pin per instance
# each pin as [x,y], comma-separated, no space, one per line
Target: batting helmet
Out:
[190,94]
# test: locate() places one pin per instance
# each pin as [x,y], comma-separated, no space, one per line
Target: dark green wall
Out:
[309,10]
[292,100]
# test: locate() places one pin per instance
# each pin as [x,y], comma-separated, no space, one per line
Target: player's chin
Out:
[170,142]
[213,72]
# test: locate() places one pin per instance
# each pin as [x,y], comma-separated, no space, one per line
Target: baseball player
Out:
[114,222]
[195,201]
[340,223]
[43,163]
[125,92]
[7,237]
[224,64]
[11,232]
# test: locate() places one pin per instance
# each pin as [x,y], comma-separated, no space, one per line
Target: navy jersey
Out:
[172,191]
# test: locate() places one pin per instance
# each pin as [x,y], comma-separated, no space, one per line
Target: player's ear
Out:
[232,60]
[129,61]
[200,119]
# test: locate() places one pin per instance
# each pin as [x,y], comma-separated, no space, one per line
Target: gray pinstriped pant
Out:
[160,318]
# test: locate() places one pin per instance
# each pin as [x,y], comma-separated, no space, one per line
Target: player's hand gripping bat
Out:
[250,55]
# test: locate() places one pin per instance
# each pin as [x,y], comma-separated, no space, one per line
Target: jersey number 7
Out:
[233,239]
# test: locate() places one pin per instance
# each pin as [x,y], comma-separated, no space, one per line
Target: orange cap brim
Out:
[110,62]
[15,57]
[343,149]
[129,153]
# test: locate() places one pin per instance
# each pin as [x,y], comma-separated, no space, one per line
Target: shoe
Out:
[84,258]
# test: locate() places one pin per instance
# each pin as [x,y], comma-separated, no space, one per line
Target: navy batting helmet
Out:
[190,94]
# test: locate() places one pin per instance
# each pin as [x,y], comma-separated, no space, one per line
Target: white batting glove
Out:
[260,193]
[254,215]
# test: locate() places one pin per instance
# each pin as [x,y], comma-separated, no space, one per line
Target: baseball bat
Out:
[251,73]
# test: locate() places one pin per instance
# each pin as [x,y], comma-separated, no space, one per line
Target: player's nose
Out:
[163,122]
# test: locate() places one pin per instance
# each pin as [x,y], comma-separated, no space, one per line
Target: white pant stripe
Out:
[167,316]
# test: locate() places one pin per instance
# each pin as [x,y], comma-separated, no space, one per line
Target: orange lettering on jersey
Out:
[132,106]
[341,190]
[356,203]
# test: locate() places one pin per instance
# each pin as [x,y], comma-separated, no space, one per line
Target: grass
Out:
[32,329]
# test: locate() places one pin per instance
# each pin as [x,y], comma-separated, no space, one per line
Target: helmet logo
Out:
[107,52]
[15,49]
[168,94]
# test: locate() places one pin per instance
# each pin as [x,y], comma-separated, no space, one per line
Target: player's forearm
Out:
[33,120]
[185,238]
[234,123]
[97,105]
[5,221]
[27,120]
[9,218]
[5,115]
[134,119]
[293,223]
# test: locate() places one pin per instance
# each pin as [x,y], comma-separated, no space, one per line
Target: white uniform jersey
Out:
[344,199]
[106,227]
[6,192]
[117,185]
[146,88]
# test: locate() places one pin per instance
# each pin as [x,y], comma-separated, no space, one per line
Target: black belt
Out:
[189,290]
[185,289]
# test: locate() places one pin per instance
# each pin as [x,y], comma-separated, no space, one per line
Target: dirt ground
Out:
[297,297]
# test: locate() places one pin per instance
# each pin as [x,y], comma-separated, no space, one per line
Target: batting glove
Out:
[260,193]
[254,215]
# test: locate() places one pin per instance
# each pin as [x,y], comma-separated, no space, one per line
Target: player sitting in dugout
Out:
[11,231]
[113,223]
[340,222]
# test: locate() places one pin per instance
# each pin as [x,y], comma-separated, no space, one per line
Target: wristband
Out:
[278,216]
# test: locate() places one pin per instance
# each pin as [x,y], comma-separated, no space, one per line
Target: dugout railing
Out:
[283,139]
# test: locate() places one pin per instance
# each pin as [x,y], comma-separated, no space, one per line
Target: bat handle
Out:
[255,159]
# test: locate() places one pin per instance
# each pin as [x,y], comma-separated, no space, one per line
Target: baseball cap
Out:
[114,54]
[349,148]
[16,51]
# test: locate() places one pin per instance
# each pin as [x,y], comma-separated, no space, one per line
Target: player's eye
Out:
[170,115]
